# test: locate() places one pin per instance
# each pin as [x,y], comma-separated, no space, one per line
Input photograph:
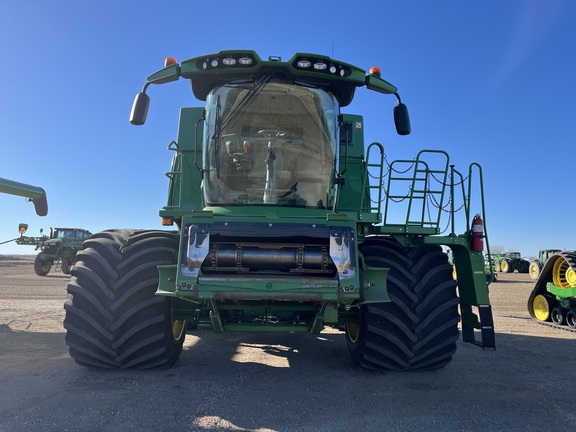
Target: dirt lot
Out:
[278,382]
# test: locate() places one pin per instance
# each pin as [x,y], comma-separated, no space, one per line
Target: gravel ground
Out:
[278,382]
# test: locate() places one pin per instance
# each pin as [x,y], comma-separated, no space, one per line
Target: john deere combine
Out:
[553,299]
[283,220]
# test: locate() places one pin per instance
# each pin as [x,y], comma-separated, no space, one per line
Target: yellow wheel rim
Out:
[504,266]
[178,327]
[563,275]
[353,331]
[541,308]
[534,271]
[454,276]
[571,277]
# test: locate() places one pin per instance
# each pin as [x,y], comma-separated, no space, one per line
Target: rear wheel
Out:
[418,328]
[113,317]
[534,270]
[42,266]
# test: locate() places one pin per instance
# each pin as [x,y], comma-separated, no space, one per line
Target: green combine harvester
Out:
[283,220]
[553,299]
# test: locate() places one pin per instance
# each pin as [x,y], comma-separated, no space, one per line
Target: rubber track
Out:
[418,330]
[113,317]
[551,324]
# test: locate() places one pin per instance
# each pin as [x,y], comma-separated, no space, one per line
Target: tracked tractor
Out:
[553,299]
[280,218]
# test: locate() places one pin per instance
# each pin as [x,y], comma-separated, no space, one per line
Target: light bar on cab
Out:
[226,61]
[322,65]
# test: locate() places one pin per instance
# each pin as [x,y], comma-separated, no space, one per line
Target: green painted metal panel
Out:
[560,292]
[375,285]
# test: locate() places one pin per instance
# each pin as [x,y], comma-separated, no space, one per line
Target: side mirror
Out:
[140,109]
[402,119]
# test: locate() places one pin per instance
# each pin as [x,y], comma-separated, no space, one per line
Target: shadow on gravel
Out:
[507,281]
[56,276]
[287,382]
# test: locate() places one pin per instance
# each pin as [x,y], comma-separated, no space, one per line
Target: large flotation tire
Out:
[418,328]
[113,317]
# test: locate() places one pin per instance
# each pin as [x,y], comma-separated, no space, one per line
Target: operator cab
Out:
[272,142]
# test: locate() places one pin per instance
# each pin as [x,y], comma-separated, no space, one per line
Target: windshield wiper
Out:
[252,92]
[220,124]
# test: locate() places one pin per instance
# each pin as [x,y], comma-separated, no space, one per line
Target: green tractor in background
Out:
[284,221]
[511,261]
[60,247]
[537,264]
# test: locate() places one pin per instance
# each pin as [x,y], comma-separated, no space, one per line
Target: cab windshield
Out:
[270,143]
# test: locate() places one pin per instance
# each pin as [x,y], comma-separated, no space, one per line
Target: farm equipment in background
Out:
[60,247]
[495,260]
[511,261]
[537,264]
[490,268]
[553,299]
[34,193]
[284,221]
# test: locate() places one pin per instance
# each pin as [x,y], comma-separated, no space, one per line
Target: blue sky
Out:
[487,81]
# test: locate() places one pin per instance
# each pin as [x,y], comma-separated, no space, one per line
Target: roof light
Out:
[320,66]
[304,64]
[229,61]
[375,71]
[214,63]
[333,69]
[169,61]
[245,61]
